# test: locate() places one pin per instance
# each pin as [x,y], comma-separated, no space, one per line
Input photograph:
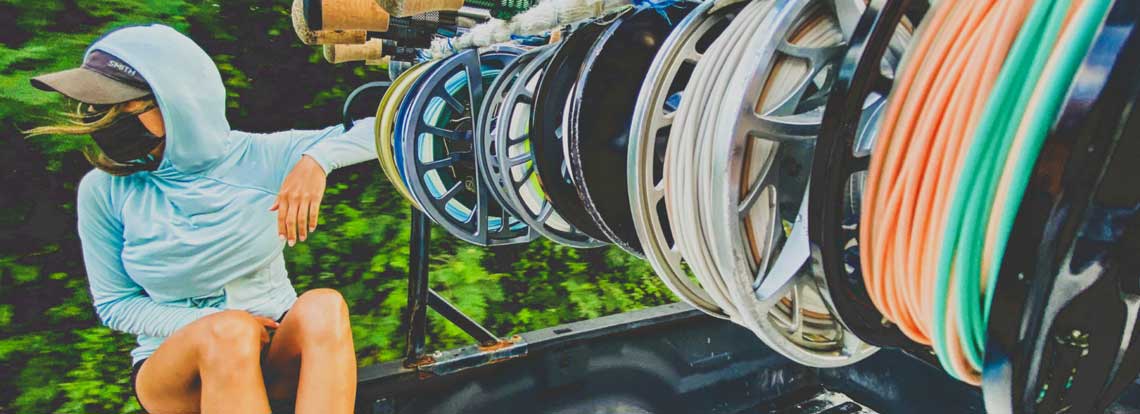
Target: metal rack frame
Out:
[421,297]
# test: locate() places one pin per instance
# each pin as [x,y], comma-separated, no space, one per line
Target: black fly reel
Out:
[1063,336]
[439,157]
[547,129]
[842,157]
[596,140]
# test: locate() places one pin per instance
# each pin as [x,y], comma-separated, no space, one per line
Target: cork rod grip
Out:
[322,37]
[353,15]
[369,51]
[405,8]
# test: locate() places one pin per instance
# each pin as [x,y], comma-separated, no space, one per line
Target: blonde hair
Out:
[80,122]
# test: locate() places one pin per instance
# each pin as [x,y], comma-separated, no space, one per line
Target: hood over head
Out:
[187,88]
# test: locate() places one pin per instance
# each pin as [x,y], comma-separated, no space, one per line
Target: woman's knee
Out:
[230,336]
[322,315]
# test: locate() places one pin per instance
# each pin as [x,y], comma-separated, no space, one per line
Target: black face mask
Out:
[127,141]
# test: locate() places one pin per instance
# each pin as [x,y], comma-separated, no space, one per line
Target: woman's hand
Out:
[268,324]
[299,201]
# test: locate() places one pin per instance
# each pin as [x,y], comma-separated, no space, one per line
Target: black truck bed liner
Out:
[666,359]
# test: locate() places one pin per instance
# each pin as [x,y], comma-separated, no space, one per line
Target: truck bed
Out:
[666,359]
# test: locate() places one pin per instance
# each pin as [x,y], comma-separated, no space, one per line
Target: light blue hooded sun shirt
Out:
[195,236]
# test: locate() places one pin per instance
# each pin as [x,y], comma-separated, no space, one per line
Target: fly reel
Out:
[386,120]
[547,127]
[765,145]
[1073,247]
[516,159]
[597,119]
[438,152]
[490,114]
[734,175]
[842,157]
[653,118]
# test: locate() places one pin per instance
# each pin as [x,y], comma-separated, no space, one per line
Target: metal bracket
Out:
[421,297]
[455,360]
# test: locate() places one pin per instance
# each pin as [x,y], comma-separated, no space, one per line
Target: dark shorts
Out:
[135,378]
[138,365]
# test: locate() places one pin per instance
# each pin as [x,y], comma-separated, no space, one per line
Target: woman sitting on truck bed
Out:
[180,239]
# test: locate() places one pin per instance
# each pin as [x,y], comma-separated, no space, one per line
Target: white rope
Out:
[542,18]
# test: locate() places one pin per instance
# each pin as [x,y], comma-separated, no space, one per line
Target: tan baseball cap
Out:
[103,79]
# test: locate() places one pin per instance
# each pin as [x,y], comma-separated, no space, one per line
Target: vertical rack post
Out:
[416,312]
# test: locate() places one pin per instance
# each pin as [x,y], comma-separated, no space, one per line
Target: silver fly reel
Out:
[516,160]
[486,126]
[649,133]
[763,146]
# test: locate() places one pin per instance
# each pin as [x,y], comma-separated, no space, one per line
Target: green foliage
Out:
[54,355]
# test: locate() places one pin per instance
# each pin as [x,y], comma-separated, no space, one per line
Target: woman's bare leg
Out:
[312,356]
[212,365]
